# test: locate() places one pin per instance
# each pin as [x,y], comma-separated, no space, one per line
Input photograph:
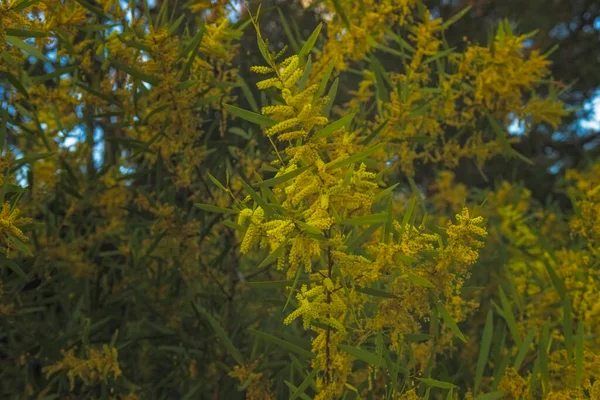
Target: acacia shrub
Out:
[135,265]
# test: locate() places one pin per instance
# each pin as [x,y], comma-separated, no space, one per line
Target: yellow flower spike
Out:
[291,64]
[282,110]
[282,126]
[260,69]
[293,79]
[267,83]
[300,134]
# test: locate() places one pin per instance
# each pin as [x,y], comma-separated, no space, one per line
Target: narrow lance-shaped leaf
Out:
[310,42]
[331,96]
[579,356]
[293,288]
[26,47]
[153,80]
[334,126]
[568,327]
[455,18]
[509,317]
[250,116]
[282,343]
[436,383]
[325,78]
[274,255]
[288,32]
[450,321]
[304,385]
[283,178]
[366,356]
[356,157]
[524,348]
[293,389]
[191,51]
[215,209]
[418,280]
[484,349]
[375,292]
[220,332]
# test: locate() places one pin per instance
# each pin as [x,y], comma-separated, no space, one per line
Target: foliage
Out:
[189,234]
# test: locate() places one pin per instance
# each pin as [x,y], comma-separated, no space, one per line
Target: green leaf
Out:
[288,32]
[215,209]
[262,47]
[153,80]
[216,182]
[375,292]
[249,115]
[436,383]
[190,51]
[17,84]
[55,74]
[96,10]
[452,20]
[272,284]
[484,349]
[509,317]
[366,219]
[293,389]
[22,247]
[568,327]
[543,356]
[220,332]
[334,126]
[310,42]
[100,95]
[274,255]
[499,132]
[282,343]
[305,74]
[257,199]
[363,237]
[331,96]
[439,55]
[403,43]
[325,78]
[408,213]
[374,134]
[492,396]
[30,158]
[524,348]
[450,321]
[154,112]
[579,356]
[339,10]
[24,4]
[311,230]
[26,47]
[283,178]
[25,33]
[13,266]
[248,94]
[3,127]
[293,288]
[418,280]
[502,138]
[356,157]
[417,337]
[363,355]
[558,283]
[304,385]
[384,193]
